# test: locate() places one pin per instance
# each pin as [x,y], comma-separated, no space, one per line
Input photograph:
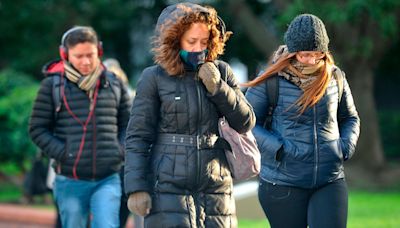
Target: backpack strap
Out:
[338,74]
[56,90]
[115,85]
[272,90]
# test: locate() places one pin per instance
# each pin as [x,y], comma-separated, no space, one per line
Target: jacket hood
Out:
[52,67]
[57,67]
[173,13]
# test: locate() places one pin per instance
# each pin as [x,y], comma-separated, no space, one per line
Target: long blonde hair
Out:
[312,93]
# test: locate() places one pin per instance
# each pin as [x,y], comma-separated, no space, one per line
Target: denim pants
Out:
[291,207]
[79,200]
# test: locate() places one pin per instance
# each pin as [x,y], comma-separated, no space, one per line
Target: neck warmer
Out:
[86,83]
[193,59]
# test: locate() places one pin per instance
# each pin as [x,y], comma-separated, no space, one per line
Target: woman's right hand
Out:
[210,76]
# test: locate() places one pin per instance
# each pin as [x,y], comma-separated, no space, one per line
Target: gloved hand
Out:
[139,203]
[210,76]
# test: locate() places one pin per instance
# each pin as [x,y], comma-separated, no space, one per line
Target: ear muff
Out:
[63,53]
[100,49]
[63,50]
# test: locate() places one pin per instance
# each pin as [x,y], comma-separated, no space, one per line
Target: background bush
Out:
[17,92]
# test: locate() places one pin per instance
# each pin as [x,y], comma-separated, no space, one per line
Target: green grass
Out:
[366,210]
[9,193]
[374,210]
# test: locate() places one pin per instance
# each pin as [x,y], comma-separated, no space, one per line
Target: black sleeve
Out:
[231,102]
[140,133]
[42,122]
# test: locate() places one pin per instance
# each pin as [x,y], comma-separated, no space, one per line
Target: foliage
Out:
[17,91]
[378,19]
[31,34]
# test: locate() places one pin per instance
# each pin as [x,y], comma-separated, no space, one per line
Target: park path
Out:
[25,216]
[22,216]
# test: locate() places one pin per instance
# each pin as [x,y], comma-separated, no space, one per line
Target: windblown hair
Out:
[166,44]
[312,93]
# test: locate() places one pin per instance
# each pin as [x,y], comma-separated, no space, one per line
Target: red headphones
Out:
[63,50]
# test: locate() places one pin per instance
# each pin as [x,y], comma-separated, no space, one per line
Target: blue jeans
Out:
[79,199]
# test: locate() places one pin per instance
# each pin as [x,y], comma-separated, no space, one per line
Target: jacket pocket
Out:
[331,151]
[67,150]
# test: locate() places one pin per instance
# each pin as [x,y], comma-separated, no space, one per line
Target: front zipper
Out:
[315,147]
[197,177]
[199,105]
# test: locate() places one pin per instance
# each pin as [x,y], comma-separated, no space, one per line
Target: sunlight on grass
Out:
[244,223]
[374,209]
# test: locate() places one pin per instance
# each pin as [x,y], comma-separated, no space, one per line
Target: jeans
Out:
[79,199]
[291,207]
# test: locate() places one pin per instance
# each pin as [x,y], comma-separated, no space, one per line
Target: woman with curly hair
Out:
[176,173]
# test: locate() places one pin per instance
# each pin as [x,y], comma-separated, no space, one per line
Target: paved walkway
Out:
[26,216]
[16,216]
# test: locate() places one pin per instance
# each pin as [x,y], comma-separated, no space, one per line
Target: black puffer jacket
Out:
[61,137]
[191,187]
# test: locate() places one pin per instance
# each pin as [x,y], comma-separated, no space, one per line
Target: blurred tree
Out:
[16,93]
[360,33]
[31,34]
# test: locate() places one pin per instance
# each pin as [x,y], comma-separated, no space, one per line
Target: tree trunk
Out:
[255,29]
[369,152]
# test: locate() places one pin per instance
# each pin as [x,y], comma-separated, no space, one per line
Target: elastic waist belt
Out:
[198,141]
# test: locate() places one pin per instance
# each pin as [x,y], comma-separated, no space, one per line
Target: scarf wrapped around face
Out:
[298,73]
[86,83]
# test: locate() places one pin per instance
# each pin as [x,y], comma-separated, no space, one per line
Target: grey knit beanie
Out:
[306,33]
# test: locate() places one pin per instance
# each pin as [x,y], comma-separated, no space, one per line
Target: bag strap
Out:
[56,90]
[114,84]
[338,74]
[272,90]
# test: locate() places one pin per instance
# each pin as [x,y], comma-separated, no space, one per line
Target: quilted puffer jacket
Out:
[60,135]
[315,143]
[190,186]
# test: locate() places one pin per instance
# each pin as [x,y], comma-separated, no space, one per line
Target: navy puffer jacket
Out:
[315,143]
[60,136]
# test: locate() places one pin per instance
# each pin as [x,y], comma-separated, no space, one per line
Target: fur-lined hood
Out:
[171,14]
[176,19]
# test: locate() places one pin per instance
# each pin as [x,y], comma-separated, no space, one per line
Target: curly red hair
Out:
[166,44]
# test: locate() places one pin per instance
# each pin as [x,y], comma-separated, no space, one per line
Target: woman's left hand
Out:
[210,76]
